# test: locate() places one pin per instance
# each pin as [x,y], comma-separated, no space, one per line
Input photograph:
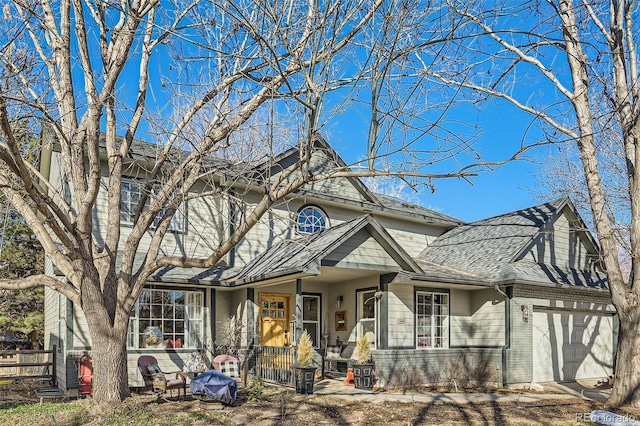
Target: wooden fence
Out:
[274,364]
[28,364]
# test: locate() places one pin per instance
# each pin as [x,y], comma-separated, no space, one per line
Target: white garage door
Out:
[572,345]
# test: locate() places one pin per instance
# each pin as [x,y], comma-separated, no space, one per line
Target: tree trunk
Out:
[626,385]
[110,372]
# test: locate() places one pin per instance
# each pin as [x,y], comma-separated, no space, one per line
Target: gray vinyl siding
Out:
[81,338]
[53,328]
[205,217]
[401,325]
[362,251]
[202,229]
[562,245]
[476,318]
[275,226]
[486,324]
[413,237]
[460,312]
[320,164]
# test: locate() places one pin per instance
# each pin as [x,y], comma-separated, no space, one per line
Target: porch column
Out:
[383,311]
[212,319]
[251,315]
[298,312]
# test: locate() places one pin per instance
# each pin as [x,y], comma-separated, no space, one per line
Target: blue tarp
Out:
[215,385]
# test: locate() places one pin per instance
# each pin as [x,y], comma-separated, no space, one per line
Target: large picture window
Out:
[167,319]
[432,320]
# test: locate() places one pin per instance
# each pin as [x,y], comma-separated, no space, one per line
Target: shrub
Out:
[363,348]
[255,390]
[305,350]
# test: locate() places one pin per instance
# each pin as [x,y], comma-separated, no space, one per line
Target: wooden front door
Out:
[274,319]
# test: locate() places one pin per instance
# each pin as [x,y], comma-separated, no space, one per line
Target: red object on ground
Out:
[350,379]
[85,374]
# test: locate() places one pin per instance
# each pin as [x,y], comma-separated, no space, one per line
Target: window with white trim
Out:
[167,318]
[367,315]
[311,317]
[311,219]
[178,221]
[131,192]
[432,320]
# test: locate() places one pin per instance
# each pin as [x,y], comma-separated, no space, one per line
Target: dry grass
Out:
[283,407]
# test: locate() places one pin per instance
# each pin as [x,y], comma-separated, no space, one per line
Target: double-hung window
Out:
[311,317]
[366,315]
[167,318]
[178,220]
[432,320]
[129,199]
[130,195]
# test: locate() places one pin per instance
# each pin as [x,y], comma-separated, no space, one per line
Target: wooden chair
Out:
[156,380]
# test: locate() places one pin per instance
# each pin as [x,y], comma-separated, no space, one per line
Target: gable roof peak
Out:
[544,212]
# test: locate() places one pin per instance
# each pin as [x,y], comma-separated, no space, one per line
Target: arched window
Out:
[311,219]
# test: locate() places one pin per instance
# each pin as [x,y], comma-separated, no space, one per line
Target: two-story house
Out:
[522,293]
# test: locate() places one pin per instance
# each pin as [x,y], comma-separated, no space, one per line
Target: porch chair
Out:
[156,380]
[229,365]
[338,358]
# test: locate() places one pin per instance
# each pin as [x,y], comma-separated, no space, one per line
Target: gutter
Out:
[507,330]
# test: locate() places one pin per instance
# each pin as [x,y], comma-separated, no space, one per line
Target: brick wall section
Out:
[519,357]
[579,298]
[397,367]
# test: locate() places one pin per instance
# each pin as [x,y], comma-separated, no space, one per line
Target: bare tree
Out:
[560,174]
[192,77]
[572,65]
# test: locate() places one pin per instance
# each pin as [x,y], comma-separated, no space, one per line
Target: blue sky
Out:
[510,187]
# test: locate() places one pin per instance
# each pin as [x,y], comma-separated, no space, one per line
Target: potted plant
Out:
[363,369]
[305,373]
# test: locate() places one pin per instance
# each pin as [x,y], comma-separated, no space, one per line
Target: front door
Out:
[274,319]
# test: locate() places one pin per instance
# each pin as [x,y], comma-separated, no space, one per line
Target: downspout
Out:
[507,332]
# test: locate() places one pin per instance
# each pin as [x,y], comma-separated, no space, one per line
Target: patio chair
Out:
[229,365]
[156,380]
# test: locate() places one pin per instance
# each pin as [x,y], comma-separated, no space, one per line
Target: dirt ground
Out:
[278,406]
[284,407]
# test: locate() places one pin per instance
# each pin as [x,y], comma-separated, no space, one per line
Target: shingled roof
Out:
[488,250]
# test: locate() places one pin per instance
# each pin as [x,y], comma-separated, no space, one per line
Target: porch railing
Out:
[274,364]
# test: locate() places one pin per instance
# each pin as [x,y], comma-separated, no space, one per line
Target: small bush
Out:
[305,350]
[363,349]
[255,390]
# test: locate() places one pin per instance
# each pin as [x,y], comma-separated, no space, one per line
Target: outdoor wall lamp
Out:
[525,312]
[339,300]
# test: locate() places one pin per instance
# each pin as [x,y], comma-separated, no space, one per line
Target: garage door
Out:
[572,345]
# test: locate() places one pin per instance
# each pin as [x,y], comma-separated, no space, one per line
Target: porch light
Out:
[339,300]
[525,312]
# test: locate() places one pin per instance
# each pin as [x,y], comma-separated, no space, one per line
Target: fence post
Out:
[54,375]
[18,362]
